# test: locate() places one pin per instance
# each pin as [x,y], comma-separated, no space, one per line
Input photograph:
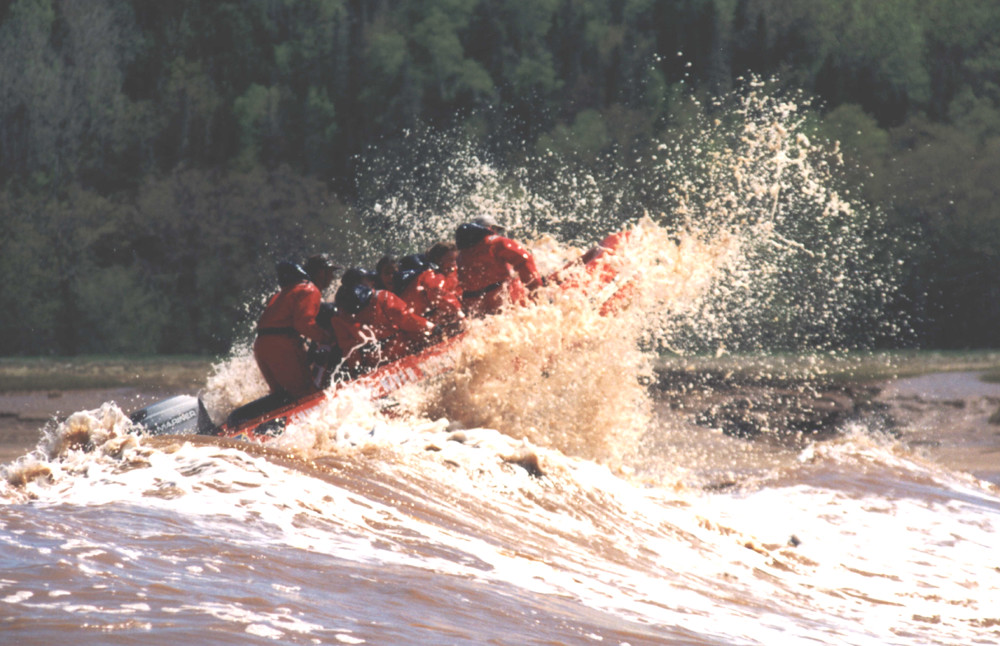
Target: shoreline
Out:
[952,416]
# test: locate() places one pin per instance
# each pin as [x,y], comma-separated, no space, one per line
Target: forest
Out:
[157,157]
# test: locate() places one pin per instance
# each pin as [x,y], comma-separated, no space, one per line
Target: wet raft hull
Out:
[381,383]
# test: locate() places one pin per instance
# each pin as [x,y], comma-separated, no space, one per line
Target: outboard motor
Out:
[180,415]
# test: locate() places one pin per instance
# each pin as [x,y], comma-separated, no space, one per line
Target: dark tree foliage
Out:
[156,157]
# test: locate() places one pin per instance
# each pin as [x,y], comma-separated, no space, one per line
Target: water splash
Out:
[802,270]
[233,382]
[742,239]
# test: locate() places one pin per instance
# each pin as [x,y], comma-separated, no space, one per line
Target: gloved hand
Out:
[325,355]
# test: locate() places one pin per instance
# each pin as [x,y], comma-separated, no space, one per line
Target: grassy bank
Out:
[182,373]
[188,373]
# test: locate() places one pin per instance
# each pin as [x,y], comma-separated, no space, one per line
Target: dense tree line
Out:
[155,157]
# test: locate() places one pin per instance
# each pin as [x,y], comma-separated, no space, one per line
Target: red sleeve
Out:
[306,307]
[401,316]
[345,332]
[438,295]
[520,259]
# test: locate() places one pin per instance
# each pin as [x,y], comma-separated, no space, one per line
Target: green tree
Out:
[391,93]
[944,193]
[963,53]
[62,68]
[869,53]
[587,137]
[257,112]
[30,91]
[28,308]
[450,79]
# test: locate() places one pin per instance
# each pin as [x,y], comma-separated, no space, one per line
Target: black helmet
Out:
[327,311]
[356,275]
[352,299]
[415,261]
[402,279]
[290,273]
[318,262]
[490,223]
[469,234]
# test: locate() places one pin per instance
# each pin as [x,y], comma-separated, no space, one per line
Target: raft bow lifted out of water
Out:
[267,417]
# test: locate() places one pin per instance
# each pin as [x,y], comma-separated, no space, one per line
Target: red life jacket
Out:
[451,282]
[428,296]
[600,263]
[448,268]
[293,311]
[493,272]
[599,258]
[289,315]
[388,323]
[345,331]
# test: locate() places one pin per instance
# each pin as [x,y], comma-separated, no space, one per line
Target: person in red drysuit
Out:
[385,269]
[600,263]
[289,316]
[597,257]
[492,270]
[321,270]
[600,277]
[383,327]
[445,256]
[423,289]
[342,325]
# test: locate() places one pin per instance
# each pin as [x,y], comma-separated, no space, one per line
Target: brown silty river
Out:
[719,531]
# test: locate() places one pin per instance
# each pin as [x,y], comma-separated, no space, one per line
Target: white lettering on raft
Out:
[396,379]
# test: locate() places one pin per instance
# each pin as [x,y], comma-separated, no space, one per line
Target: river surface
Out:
[398,532]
